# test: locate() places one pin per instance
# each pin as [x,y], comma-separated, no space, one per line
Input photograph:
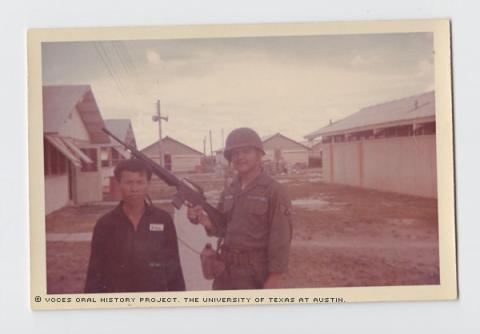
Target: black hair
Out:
[132,165]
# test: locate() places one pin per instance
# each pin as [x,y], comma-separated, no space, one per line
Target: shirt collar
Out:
[119,211]
[262,180]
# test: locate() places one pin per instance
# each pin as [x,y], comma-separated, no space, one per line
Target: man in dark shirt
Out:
[134,246]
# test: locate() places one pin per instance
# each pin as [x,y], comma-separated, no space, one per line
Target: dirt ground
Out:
[343,236]
[364,238]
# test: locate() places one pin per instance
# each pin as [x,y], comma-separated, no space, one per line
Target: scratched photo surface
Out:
[347,123]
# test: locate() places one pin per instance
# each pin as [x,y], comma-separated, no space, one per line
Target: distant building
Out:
[284,152]
[177,156]
[280,151]
[315,155]
[72,140]
[388,146]
[112,154]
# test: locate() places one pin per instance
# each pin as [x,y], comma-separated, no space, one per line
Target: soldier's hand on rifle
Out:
[197,216]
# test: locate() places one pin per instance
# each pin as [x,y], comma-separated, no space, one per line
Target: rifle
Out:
[186,189]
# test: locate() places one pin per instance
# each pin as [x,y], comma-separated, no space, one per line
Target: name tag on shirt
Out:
[156,227]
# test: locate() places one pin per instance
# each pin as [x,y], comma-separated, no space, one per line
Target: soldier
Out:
[134,246]
[257,228]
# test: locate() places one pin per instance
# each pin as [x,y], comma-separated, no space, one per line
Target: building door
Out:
[71,173]
[167,160]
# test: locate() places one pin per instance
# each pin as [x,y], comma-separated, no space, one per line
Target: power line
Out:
[114,55]
[112,66]
[130,67]
[121,58]
[128,57]
[97,46]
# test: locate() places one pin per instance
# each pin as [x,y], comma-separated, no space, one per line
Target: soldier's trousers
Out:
[241,277]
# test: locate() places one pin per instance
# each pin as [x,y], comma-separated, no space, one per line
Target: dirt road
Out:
[192,239]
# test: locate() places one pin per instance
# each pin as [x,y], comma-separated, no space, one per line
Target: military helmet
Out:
[242,137]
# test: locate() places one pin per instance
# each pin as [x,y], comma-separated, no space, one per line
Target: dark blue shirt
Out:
[123,259]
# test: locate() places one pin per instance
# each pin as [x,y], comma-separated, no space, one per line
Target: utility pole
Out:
[158,118]
[204,146]
[211,148]
[223,139]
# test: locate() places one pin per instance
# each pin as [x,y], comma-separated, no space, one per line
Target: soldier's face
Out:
[246,159]
[133,186]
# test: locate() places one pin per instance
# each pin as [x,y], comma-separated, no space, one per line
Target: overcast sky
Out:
[291,85]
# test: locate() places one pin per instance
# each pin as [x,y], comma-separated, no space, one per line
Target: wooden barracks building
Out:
[74,146]
[110,155]
[279,149]
[177,156]
[388,146]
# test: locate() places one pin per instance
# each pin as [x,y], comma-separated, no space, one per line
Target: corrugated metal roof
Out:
[411,108]
[60,101]
[265,138]
[168,139]
[119,127]
[270,137]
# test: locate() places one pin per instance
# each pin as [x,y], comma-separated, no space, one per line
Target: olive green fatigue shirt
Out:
[257,218]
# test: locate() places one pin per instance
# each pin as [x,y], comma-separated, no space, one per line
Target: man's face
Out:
[246,159]
[133,186]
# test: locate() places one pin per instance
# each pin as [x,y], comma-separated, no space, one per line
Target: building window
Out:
[426,129]
[105,157]
[404,131]
[46,157]
[54,162]
[54,157]
[92,154]
[167,160]
[115,157]
[367,134]
[399,131]
[327,140]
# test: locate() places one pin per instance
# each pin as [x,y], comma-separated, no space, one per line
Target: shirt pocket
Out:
[256,218]
[257,205]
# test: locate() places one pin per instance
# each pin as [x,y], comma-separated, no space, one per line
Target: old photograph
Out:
[283,160]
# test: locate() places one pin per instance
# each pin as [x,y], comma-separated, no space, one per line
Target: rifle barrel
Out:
[184,189]
[158,170]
